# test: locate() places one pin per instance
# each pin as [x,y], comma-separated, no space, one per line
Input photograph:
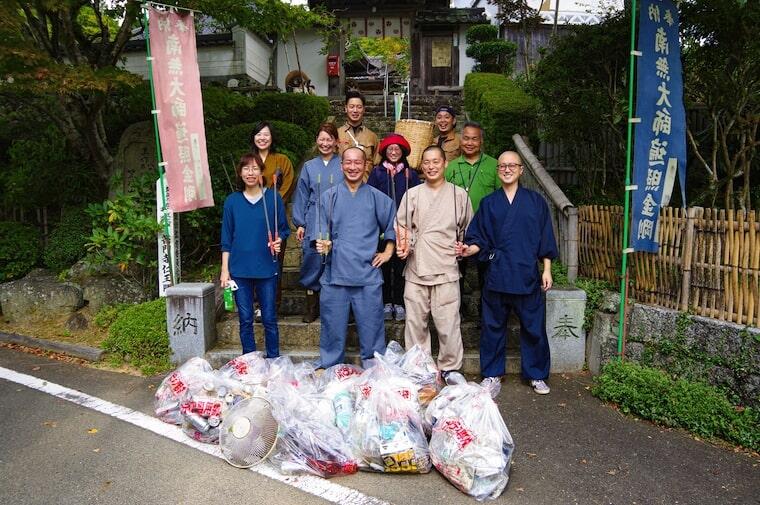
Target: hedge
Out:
[139,336]
[696,406]
[502,108]
[307,111]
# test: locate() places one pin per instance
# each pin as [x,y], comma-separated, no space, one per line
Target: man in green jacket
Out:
[476,172]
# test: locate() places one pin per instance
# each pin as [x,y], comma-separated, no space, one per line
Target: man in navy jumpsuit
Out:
[512,231]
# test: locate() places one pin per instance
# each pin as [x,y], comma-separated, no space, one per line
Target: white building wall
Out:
[312,62]
[212,62]
[465,62]
[257,54]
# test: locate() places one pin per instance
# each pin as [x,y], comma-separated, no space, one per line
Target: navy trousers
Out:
[534,344]
[266,294]
[311,267]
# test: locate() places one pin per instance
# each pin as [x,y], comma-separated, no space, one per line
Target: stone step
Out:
[220,355]
[294,298]
[295,334]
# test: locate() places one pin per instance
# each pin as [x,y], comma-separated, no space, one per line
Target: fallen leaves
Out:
[92,431]
[50,424]
[43,353]
[36,369]
[96,450]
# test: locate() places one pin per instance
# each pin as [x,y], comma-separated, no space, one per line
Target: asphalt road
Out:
[570,449]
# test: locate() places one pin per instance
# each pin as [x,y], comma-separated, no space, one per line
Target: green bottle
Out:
[229,301]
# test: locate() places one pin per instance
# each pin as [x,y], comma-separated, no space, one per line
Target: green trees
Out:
[721,57]
[492,54]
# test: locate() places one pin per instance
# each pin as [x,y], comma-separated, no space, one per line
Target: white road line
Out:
[322,488]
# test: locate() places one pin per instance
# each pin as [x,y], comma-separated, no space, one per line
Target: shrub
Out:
[696,406]
[124,232]
[139,336]
[66,244]
[501,107]
[228,144]
[308,111]
[492,54]
[107,315]
[594,289]
[481,33]
[223,107]
[19,249]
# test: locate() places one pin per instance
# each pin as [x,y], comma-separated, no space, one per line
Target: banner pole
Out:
[159,157]
[628,189]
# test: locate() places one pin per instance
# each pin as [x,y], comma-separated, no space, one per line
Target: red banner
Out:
[177,86]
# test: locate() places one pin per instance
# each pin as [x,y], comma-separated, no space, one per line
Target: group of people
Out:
[381,241]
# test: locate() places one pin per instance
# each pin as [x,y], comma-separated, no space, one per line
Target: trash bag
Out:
[251,368]
[186,380]
[301,375]
[204,410]
[387,430]
[420,368]
[307,441]
[338,384]
[470,444]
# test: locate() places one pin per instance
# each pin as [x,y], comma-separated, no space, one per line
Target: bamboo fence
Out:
[708,264]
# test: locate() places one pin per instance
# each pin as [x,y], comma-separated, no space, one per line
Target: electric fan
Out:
[248,432]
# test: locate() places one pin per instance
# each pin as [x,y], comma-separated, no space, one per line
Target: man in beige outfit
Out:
[434,216]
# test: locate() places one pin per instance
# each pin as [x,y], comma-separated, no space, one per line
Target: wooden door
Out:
[440,61]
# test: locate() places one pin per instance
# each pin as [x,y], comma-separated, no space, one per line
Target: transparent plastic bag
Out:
[387,431]
[301,375]
[186,380]
[420,368]
[338,384]
[307,440]
[251,368]
[470,443]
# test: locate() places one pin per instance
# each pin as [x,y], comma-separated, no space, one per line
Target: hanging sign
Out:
[179,108]
[660,137]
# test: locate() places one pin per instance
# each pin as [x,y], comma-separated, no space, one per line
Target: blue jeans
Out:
[266,294]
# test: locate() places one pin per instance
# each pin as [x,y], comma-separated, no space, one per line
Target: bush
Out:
[139,336]
[594,289]
[124,233]
[223,107]
[19,249]
[481,33]
[696,406]
[492,54]
[66,244]
[501,107]
[227,145]
[307,111]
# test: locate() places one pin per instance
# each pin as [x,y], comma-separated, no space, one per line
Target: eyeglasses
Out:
[511,167]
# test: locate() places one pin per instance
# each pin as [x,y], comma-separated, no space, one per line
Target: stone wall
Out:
[726,355]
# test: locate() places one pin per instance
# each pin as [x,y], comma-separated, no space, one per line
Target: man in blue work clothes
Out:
[354,215]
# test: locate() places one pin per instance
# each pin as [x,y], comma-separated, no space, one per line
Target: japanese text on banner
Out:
[660,137]
[176,82]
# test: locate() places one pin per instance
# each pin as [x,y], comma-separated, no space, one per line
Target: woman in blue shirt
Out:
[317,176]
[250,242]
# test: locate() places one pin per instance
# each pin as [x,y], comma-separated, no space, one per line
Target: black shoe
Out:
[312,307]
[445,374]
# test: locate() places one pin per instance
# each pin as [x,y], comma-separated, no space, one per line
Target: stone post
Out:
[190,319]
[565,308]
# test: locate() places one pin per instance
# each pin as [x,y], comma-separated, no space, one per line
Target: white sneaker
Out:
[400,313]
[257,315]
[493,385]
[540,387]
[388,312]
